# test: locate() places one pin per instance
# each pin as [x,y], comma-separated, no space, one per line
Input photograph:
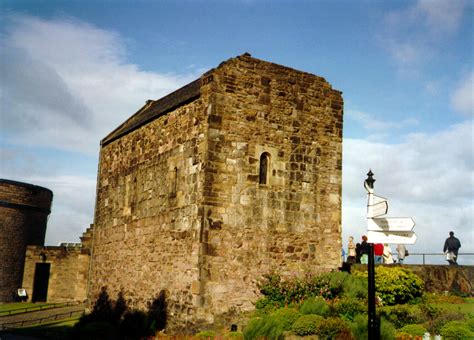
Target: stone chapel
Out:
[228,178]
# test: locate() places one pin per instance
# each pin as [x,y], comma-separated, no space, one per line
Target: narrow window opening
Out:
[175,181]
[264,168]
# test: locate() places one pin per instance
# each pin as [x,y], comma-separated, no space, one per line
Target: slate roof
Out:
[156,108]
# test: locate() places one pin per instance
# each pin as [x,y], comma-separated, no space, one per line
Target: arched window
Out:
[264,168]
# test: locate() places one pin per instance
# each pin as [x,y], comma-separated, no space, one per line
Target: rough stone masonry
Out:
[233,176]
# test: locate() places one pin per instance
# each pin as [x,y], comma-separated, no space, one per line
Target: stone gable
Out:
[235,178]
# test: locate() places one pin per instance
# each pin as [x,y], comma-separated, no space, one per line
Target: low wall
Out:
[440,278]
[68,271]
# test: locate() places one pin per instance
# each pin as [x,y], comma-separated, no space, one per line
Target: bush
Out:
[206,334]
[332,328]
[470,324]
[437,324]
[387,330]
[285,317]
[360,331]
[329,286]
[456,330]
[416,330]
[133,325]
[271,326]
[348,308]
[234,335]
[359,327]
[265,327]
[402,315]
[95,330]
[315,305]
[396,285]
[266,306]
[307,324]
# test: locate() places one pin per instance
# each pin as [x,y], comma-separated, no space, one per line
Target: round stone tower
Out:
[24,210]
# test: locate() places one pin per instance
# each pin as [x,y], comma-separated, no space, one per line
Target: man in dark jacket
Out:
[452,245]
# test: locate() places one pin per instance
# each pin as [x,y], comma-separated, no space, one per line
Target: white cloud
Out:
[462,98]
[377,129]
[67,84]
[427,177]
[413,35]
[439,15]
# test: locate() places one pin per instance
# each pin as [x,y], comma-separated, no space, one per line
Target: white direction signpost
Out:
[399,237]
[377,209]
[385,229]
[390,224]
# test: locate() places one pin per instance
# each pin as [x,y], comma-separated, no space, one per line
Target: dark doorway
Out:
[40,283]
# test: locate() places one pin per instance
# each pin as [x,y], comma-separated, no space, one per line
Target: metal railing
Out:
[39,321]
[440,255]
[38,308]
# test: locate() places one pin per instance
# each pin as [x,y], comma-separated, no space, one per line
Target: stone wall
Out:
[148,219]
[24,209]
[68,272]
[446,278]
[292,223]
[181,205]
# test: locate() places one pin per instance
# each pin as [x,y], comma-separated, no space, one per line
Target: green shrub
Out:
[387,330]
[416,330]
[437,324]
[234,335]
[307,324]
[333,327]
[315,305]
[266,306]
[401,315]
[133,325]
[265,327]
[396,285]
[470,324]
[359,327]
[96,330]
[206,334]
[271,326]
[285,317]
[329,286]
[360,331]
[456,330]
[348,308]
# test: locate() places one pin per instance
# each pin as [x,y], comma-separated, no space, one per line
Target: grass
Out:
[51,330]
[464,305]
[18,307]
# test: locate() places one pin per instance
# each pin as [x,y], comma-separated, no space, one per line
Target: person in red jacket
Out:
[378,252]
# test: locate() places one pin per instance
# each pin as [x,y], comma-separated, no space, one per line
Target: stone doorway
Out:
[40,282]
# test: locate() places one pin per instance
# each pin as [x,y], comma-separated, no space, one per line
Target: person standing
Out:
[351,250]
[401,252]
[387,254]
[378,252]
[451,248]
[364,251]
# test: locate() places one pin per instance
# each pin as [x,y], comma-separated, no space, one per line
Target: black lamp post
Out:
[373,329]
[370,179]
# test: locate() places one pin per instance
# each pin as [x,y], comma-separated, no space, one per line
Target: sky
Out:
[72,71]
